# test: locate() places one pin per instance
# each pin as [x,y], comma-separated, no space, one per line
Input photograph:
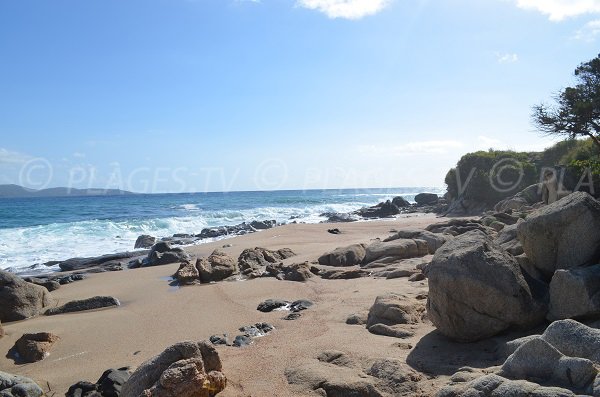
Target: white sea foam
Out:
[26,246]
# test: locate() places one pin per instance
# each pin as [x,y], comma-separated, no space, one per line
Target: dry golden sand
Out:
[154,315]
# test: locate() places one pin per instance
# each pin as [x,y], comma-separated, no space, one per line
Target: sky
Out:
[219,95]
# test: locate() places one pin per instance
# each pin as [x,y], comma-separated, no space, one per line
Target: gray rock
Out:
[97,302]
[256,259]
[50,285]
[477,290]
[575,293]
[144,241]
[562,235]
[19,299]
[394,331]
[400,202]
[434,240]
[262,225]
[357,319]
[509,240]
[393,309]
[538,359]
[165,371]
[18,386]
[351,255]
[396,377]
[574,339]
[174,255]
[397,249]
[493,385]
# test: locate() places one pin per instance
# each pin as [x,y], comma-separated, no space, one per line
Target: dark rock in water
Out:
[242,340]
[34,347]
[219,339]
[183,235]
[96,302]
[186,369]
[337,217]
[18,386]
[300,305]
[50,285]
[427,198]
[19,299]
[400,202]
[381,210]
[144,241]
[163,254]
[271,304]
[262,225]
[104,260]
[70,278]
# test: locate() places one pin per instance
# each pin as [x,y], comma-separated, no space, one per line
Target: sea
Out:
[42,229]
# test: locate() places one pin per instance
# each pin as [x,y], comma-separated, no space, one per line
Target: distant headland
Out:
[16,191]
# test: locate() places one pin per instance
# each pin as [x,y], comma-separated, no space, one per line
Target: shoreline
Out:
[154,315]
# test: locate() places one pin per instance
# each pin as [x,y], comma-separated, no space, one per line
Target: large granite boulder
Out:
[186,369]
[395,250]
[562,235]
[392,315]
[35,347]
[218,266]
[163,254]
[144,241]
[18,386]
[525,198]
[19,299]
[477,290]
[351,255]
[575,293]
[433,240]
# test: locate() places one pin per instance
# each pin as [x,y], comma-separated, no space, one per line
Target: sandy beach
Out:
[154,315]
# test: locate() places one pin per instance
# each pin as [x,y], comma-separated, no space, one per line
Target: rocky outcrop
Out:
[391,314]
[110,384]
[477,290]
[144,241]
[236,230]
[433,240]
[522,200]
[19,299]
[395,250]
[218,266]
[456,227]
[351,255]
[108,262]
[381,210]
[562,235]
[50,285]
[186,369]
[35,347]
[299,272]
[253,261]
[575,293]
[97,302]
[18,386]
[400,202]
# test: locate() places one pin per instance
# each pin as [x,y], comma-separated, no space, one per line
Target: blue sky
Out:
[212,95]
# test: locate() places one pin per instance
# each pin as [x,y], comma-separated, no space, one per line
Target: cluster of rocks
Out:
[18,386]
[249,332]
[147,241]
[110,384]
[539,267]
[424,202]
[252,263]
[562,362]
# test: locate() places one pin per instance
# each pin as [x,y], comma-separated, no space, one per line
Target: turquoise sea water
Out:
[37,230]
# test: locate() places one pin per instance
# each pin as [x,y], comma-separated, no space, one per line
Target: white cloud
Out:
[557,10]
[507,57]
[589,31]
[410,148]
[9,157]
[348,9]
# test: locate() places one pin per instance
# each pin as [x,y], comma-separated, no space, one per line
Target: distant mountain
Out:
[20,191]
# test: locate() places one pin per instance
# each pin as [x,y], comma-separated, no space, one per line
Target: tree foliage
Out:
[576,112]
